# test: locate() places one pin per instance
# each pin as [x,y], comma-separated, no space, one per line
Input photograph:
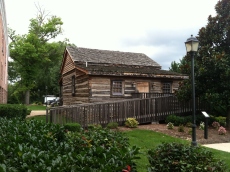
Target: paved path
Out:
[37,112]
[219,146]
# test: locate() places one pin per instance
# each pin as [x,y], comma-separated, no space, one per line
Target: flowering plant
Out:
[128,169]
[216,124]
[170,125]
[222,131]
[131,123]
[201,125]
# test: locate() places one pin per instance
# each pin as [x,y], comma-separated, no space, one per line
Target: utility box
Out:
[205,124]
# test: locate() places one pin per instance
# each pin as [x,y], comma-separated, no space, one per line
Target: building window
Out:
[166,88]
[117,88]
[73,85]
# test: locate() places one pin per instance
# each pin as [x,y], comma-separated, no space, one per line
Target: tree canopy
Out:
[35,59]
[212,67]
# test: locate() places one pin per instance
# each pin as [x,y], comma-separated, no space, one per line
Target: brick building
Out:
[3,54]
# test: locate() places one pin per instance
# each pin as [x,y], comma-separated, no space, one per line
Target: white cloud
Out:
[155,28]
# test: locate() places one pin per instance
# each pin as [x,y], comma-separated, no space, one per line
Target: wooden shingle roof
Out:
[113,57]
[116,63]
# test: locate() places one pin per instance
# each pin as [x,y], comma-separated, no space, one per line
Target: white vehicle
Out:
[49,99]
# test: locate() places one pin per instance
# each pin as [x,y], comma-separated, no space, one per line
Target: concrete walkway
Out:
[37,112]
[219,146]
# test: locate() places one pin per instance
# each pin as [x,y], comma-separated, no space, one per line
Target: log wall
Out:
[81,84]
[100,87]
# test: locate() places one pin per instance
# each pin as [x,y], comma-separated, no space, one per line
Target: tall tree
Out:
[33,54]
[179,67]
[175,67]
[212,68]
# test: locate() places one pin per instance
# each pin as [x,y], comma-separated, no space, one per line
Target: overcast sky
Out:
[157,28]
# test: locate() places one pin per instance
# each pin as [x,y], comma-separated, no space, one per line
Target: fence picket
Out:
[148,109]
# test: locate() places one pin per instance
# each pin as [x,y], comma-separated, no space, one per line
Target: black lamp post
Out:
[191,47]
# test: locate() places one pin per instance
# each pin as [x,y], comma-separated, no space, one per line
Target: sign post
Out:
[205,124]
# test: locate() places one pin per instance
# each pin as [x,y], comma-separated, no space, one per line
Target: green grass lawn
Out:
[38,117]
[146,139]
[36,107]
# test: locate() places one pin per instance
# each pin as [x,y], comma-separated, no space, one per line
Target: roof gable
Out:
[113,57]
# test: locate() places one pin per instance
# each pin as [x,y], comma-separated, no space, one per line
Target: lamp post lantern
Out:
[191,47]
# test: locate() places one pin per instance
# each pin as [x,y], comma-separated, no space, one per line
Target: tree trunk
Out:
[228,119]
[27,97]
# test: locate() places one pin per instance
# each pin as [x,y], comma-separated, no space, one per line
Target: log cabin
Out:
[92,75]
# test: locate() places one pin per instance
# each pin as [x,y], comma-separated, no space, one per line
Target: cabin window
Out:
[73,85]
[166,88]
[117,88]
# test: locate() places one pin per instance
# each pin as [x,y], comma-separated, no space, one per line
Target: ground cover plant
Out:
[38,117]
[36,107]
[32,145]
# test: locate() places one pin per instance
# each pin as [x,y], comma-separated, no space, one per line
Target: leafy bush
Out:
[74,127]
[36,146]
[221,120]
[187,119]
[13,110]
[131,123]
[189,124]
[183,120]
[180,157]
[181,128]
[112,125]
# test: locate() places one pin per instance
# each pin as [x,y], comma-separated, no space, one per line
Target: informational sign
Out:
[205,114]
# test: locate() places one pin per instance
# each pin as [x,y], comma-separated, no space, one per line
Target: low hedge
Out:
[13,110]
[74,127]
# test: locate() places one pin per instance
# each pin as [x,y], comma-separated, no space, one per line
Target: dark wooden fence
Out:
[143,110]
[165,106]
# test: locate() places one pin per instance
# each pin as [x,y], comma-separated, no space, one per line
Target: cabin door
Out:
[142,87]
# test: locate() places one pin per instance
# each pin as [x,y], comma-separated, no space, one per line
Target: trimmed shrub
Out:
[94,126]
[176,120]
[112,125]
[14,110]
[180,157]
[74,127]
[131,123]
